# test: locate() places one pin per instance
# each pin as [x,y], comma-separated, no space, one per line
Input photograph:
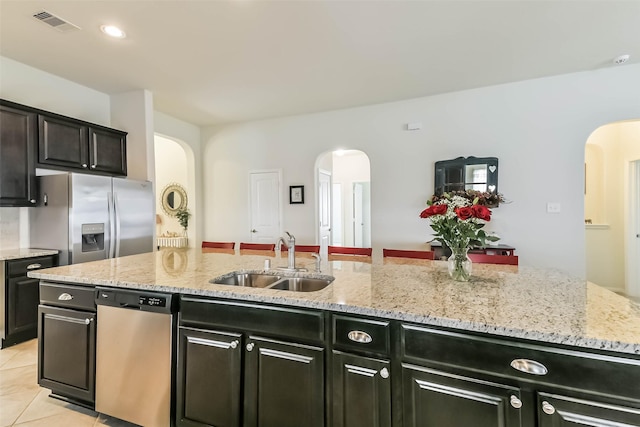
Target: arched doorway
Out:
[344,199]
[612,207]
[172,166]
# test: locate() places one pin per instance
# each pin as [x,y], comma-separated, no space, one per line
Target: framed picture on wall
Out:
[296,194]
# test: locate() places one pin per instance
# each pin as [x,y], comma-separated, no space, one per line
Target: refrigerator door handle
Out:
[116,211]
[110,204]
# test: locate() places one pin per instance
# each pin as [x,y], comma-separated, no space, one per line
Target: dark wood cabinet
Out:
[560,411]
[66,352]
[433,399]
[251,365]
[67,322]
[284,384]
[18,134]
[361,391]
[209,378]
[69,144]
[62,143]
[22,298]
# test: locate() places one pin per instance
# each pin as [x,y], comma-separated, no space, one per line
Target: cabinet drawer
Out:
[612,375]
[364,335]
[22,266]
[71,296]
[304,325]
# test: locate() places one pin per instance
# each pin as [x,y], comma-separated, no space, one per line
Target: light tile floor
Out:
[23,403]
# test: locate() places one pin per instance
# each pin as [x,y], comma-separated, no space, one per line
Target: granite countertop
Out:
[510,301]
[7,254]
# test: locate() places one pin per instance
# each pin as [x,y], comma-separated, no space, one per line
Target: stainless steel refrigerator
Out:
[91,217]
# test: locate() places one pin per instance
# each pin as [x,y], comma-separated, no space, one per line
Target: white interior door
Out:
[633,253]
[265,206]
[324,209]
[358,218]
[336,217]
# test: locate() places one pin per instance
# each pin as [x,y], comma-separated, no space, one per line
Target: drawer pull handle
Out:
[529,367]
[548,408]
[515,402]
[234,344]
[384,373]
[359,336]
[65,297]
[250,346]
[33,266]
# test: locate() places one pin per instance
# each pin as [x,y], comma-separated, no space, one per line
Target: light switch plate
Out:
[553,207]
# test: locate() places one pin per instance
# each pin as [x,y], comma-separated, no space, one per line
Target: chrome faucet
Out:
[291,245]
[318,260]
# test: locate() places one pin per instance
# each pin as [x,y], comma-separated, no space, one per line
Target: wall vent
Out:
[55,21]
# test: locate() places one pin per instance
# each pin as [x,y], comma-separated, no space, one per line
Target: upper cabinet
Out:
[18,133]
[69,144]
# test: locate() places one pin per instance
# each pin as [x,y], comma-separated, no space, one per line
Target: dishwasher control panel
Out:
[136,300]
[152,301]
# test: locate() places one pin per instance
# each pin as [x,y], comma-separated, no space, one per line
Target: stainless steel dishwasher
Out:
[133,355]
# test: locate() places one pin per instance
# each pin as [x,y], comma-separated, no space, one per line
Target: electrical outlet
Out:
[553,207]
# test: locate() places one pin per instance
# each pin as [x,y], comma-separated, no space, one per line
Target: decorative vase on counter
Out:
[459,264]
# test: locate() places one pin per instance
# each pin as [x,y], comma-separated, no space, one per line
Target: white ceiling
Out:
[212,62]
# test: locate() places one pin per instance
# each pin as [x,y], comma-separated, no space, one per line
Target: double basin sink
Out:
[274,281]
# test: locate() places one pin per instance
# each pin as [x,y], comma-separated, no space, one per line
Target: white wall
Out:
[537,129]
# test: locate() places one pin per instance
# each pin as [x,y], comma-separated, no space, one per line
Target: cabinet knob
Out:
[32,200]
[250,346]
[384,373]
[33,266]
[87,321]
[515,402]
[84,165]
[548,408]
[93,166]
[234,344]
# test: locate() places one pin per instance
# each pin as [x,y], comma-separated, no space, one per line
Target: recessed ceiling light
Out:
[619,60]
[113,31]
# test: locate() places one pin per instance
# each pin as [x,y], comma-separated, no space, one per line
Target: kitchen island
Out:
[437,335]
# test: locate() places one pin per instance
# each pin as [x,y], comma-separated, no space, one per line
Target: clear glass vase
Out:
[459,264]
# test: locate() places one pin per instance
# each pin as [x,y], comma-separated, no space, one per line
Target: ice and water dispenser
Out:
[92,237]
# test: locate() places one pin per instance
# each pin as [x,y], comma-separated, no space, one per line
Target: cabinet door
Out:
[17,157]
[62,143]
[107,151]
[209,379]
[66,352]
[22,298]
[361,391]
[560,411]
[434,399]
[284,384]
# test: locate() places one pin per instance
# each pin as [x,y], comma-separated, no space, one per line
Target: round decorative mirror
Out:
[173,198]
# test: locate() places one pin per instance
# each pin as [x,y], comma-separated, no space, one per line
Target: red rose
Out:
[433,210]
[464,212]
[481,212]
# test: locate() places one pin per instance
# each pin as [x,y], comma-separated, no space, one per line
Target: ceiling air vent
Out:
[55,21]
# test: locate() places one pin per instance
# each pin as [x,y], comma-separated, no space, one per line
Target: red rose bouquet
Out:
[457,218]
